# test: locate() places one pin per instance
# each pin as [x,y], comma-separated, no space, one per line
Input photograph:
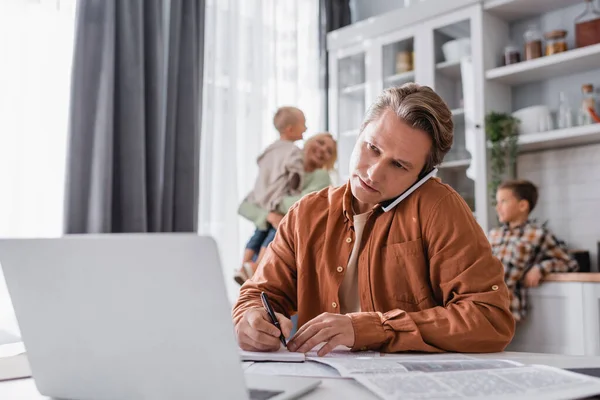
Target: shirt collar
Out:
[523,225]
[347,209]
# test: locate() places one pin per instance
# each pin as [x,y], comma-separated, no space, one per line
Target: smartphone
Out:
[390,204]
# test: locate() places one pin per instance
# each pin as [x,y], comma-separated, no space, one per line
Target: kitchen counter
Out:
[563,316]
[574,277]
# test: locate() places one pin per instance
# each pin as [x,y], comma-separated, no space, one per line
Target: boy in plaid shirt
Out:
[527,250]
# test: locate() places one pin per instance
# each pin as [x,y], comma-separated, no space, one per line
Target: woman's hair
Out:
[421,108]
[331,162]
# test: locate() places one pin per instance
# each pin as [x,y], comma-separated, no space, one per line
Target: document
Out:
[308,369]
[393,378]
[283,355]
[342,352]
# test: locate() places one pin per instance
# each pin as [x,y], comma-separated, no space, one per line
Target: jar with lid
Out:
[511,55]
[404,61]
[588,102]
[556,42]
[533,43]
[587,26]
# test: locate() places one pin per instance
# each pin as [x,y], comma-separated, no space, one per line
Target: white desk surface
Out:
[332,388]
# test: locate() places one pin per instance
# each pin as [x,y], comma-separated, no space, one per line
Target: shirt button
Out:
[340,269]
[348,240]
[334,304]
[495,287]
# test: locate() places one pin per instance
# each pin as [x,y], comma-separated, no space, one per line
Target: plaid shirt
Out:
[522,248]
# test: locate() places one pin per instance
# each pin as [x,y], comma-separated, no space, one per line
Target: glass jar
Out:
[533,43]
[511,55]
[556,42]
[565,116]
[404,61]
[588,102]
[587,26]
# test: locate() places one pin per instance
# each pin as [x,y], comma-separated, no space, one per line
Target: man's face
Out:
[509,208]
[387,159]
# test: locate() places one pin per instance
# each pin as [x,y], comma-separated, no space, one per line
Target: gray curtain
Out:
[135,116]
[333,14]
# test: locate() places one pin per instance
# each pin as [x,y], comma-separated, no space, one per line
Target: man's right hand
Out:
[256,332]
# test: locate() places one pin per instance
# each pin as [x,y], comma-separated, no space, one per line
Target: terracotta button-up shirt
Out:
[427,279]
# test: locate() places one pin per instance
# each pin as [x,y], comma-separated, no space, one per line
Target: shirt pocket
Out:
[406,276]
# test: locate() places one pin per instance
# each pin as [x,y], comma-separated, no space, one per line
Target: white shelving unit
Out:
[456,164]
[560,138]
[458,112]
[544,68]
[472,87]
[512,10]
[451,69]
[354,90]
[401,78]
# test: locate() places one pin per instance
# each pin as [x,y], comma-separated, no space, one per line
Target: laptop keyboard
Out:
[258,394]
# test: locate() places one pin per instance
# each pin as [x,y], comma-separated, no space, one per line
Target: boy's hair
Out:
[421,108]
[523,190]
[285,116]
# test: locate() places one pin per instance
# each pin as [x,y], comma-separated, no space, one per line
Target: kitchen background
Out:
[559,149]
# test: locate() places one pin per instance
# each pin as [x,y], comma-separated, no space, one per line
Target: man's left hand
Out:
[332,329]
[533,277]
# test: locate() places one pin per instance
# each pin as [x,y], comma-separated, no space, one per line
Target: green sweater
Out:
[312,182]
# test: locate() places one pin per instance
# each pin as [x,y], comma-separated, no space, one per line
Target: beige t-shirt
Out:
[349,298]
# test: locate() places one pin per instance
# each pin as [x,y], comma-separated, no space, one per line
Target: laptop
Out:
[131,316]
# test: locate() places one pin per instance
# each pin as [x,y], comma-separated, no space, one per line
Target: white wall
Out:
[569,193]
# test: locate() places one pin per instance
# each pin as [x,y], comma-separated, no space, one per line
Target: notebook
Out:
[283,355]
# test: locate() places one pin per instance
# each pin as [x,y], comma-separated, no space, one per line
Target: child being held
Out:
[280,174]
[527,250]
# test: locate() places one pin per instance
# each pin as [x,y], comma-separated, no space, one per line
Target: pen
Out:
[269,309]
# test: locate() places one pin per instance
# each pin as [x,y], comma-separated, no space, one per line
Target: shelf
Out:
[350,133]
[455,164]
[450,69]
[354,90]
[512,10]
[560,138]
[400,78]
[458,112]
[567,63]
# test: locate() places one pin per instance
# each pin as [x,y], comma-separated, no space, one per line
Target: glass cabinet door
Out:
[398,62]
[351,92]
[452,50]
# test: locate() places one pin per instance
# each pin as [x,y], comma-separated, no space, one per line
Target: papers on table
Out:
[438,376]
[308,368]
[428,378]
[283,355]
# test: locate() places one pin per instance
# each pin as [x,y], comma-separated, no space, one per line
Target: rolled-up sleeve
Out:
[276,273]
[468,281]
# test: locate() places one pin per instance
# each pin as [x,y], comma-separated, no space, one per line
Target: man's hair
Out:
[331,163]
[523,190]
[285,116]
[421,108]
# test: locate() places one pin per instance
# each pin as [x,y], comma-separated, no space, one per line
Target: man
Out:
[419,277]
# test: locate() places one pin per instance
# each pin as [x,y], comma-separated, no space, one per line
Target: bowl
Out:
[456,49]
[533,119]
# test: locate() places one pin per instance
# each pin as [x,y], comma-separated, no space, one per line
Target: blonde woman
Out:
[320,155]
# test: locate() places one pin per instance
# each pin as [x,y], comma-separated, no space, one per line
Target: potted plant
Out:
[502,131]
